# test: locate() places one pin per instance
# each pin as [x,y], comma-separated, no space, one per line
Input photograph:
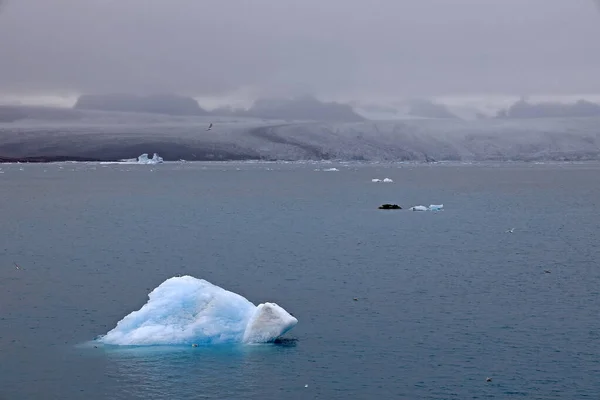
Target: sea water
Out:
[388,303]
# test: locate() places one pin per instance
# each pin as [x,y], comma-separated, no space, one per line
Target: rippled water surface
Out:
[444,299]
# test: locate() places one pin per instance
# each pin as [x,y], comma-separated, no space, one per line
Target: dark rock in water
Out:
[390,207]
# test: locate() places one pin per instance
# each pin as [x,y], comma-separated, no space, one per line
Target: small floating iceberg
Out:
[432,207]
[385,180]
[331,170]
[185,311]
[143,159]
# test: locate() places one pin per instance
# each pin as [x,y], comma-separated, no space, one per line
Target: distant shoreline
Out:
[58,159]
[63,159]
[50,159]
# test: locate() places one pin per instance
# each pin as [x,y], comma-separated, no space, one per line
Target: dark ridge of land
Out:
[50,159]
[306,108]
[168,104]
[11,114]
[524,109]
[429,109]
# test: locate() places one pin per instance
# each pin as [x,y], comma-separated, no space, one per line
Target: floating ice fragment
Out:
[267,323]
[385,180]
[418,208]
[143,159]
[186,311]
[436,207]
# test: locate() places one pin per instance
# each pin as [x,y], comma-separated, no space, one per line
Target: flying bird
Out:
[210,127]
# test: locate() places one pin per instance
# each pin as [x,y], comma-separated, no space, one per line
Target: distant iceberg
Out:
[432,207]
[185,311]
[331,170]
[143,159]
[385,180]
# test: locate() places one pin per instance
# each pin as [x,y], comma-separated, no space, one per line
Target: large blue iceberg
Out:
[185,311]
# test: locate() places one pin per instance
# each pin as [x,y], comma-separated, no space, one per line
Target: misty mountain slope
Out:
[110,136]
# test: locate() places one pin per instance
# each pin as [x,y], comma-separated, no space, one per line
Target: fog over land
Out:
[100,135]
[281,79]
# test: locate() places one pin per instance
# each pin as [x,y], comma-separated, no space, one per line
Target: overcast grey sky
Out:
[330,48]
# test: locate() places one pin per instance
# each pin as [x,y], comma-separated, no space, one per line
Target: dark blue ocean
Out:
[444,299]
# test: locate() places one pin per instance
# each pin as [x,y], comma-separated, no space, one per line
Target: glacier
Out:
[117,136]
[189,311]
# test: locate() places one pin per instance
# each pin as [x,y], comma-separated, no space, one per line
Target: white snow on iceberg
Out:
[143,159]
[185,310]
[432,207]
[267,323]
[385,180]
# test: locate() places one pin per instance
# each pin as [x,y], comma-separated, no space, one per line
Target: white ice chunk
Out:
[268,322]
[185,310]
[418,208]
[157,159]
[143,159]
[436,207]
